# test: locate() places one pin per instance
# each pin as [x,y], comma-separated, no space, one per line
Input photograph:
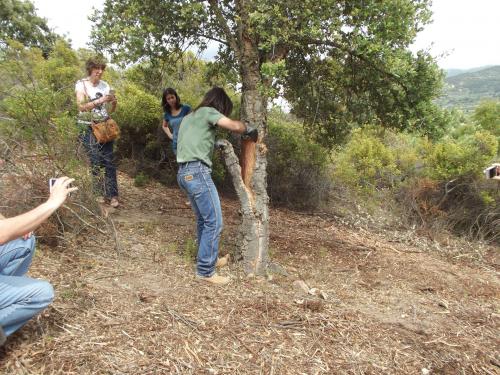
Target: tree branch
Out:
[231,41]
[224,42]
[359,56]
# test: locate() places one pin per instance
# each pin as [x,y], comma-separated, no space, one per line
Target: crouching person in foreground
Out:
[22,297]
[195,145]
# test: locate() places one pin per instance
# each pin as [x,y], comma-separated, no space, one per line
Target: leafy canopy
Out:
[19,21]
[339,63]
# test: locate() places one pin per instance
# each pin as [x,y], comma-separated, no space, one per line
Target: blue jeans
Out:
[101,157]
[21,297]
[195,179]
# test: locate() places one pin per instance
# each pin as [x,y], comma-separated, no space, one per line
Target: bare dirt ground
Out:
[377,305]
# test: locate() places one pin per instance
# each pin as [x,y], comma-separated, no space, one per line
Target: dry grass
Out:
[390,307]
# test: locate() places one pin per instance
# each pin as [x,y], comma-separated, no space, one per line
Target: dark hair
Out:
[218,99]
[95,63]
[164,103]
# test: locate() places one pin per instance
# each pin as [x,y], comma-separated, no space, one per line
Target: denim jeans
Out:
[101,157]
[195,179]
[21,297]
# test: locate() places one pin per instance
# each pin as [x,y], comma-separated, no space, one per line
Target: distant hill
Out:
[466,90]
[456,72]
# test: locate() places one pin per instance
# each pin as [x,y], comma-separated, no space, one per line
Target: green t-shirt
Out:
[197,136]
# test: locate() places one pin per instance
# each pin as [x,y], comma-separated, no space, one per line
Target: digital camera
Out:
[52,181]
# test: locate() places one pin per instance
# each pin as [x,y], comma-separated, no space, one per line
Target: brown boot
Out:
[214,279]
[222,262]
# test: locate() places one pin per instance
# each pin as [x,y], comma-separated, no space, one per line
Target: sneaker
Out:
[114,202]
[214,279]
[222,262]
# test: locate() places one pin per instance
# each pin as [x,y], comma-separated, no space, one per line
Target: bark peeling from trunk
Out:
[253,241]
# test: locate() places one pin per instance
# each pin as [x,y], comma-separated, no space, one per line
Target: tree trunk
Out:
[254,230]
[249,177]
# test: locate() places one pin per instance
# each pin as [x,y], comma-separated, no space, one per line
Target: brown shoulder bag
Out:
[104,131]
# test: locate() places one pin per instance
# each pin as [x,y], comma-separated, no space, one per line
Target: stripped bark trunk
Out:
[254,230]
[253,238]
[250,174]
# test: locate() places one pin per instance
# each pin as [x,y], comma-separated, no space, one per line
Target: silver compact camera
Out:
[492,171]
[52,181]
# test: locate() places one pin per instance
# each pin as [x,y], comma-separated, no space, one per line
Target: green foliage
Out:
[39,136]
[141,179]
[61,69]
[366,162]
[39,92]
[297,166]
[138,110]
[339,64]
[18,21]
[487,116]
[138,115]
[190,250]
[463,157]
[186,75]
[487,198]
[375,158]
[335,96]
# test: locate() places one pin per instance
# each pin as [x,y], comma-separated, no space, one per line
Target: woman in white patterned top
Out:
[92,96]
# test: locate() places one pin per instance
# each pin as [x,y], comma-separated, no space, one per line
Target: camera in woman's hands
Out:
[111,95]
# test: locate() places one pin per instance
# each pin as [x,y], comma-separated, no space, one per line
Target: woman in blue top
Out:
[173,114]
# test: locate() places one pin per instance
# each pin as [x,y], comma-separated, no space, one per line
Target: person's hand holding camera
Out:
[60,191]
[103,99]
[111,97]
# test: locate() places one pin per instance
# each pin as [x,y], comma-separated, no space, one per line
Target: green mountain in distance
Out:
[466,90]
[456,72]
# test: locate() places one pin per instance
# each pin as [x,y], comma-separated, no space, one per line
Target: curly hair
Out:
[95,63]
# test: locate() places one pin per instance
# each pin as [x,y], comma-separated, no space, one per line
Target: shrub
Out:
[366,163]
[138,114]
[38,134]
[297,167]
[452,194]
[487,115]
[141,179]
[463,157]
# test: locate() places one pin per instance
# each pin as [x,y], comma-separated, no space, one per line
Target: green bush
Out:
[297,167]
[39,134]
[463,157]
[138,114]
[366,163]
[141,179]
[487,115]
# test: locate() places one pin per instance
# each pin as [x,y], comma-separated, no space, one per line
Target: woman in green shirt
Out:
[195,145]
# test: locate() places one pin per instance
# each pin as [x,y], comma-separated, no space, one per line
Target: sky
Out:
[464,34]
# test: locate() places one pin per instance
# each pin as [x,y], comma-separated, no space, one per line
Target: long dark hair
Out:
[218,99]
[164,103]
